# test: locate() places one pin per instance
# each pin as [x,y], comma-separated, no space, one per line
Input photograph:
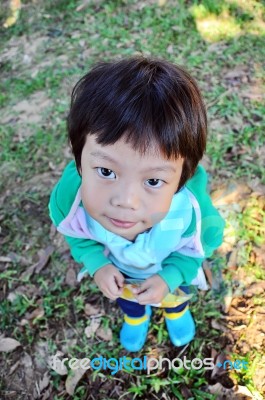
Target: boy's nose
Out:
[126,198]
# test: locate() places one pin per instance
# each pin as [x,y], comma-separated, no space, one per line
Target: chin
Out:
[132,239]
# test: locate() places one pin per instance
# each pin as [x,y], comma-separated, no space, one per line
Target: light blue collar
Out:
[151,246]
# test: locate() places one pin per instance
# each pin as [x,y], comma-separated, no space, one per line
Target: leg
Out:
[131,308]
[179,322]
[182,306]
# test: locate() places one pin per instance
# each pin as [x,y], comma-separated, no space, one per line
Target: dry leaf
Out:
[26,361]
[219,371]
[14,367]
[230,194]
[47,394]
[29,271]
[216,325]
[17,258]
[244,391]
[67,346]
[91,310]
[37,313]
[24,322]
[41,385]
[237,72]
[44,256]
[44,382]
[257,288]
[227,300]
[235,393]
[5,259]
[12,296]
[83,5]
[91,329]
[208,272]
[170,49]
[219,390]
[185,391]
[8,344]
[238,327]
[73,378]
[105,334]
[56,365]
[232,262]
[28,371]
[30,291]
[70,278]
[41,353]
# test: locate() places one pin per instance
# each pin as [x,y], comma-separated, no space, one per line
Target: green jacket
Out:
[177,269]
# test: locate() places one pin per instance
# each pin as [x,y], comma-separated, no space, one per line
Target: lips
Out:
[122,224]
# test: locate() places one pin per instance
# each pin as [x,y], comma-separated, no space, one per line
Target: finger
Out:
[119,278]
[109,295]
[142,288]
[144,298]
[114,289]
[105,289]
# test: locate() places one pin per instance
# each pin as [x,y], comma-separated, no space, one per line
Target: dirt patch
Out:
[22,51]
[242,323]
[27,112]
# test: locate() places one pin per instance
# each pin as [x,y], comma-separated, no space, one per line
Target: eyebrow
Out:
[104,156]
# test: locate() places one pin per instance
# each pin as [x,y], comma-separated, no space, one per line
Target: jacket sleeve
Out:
[88,252]
[178,269]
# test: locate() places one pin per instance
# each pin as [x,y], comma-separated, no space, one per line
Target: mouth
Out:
[122,224]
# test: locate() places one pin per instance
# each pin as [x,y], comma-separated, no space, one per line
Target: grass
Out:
[184,33]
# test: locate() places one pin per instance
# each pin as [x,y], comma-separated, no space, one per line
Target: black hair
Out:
[146,101]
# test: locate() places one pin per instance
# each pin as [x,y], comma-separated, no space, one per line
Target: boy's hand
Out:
[151,291]
[110,281]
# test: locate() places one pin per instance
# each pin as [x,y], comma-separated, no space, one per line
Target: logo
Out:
[145,363]
[237,364]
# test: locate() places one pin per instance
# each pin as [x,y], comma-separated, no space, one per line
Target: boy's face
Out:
[119,185]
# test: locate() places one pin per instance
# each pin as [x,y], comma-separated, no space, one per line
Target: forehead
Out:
[121,147]
[122,155]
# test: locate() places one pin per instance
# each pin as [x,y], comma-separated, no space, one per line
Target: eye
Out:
[105,172]
[153,182]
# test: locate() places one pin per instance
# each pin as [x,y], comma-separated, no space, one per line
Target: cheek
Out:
[93,200]
[162,203]
[159,210]
[87,197]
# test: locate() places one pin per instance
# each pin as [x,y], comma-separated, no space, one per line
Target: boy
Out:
[134,203]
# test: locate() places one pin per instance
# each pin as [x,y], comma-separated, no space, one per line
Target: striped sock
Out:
[175,315]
